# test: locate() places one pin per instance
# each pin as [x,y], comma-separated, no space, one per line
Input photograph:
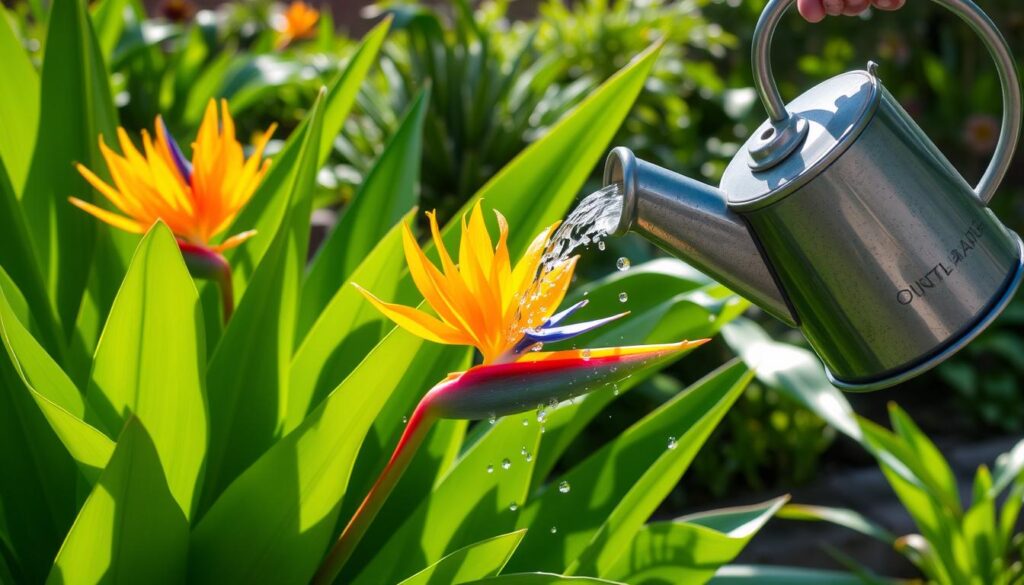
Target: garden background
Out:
[501,74]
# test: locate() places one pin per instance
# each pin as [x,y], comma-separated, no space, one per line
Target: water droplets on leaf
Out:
[554,529]
[564,487]
[405,420]
[505,463]
[622,263]
[600,245]
[492,419]
[542,416]
[513,506]
[585,354]
[623,297]
[490,469]
[672,444]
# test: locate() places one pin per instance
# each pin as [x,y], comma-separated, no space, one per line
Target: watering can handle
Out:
[765,85]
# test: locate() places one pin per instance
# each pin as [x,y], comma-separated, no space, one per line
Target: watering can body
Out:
[840,216]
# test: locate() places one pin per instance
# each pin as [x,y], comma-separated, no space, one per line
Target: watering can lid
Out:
[836,111]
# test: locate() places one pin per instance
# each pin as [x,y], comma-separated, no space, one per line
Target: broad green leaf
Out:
[387,194]
[18,260]
[19,104]
[37,484]
[692,548]
[476,561]
[467,505]
[681,443]
[936,519]
[346,328]
[927,456]
[538,186]
[68,133]
[767,575]
[542,579]
[795,371]
[981,530]
[55,395]
[130,529]
[275,522]
[265,210]
[594,516]
[248,375]
[151,362]
[840,516]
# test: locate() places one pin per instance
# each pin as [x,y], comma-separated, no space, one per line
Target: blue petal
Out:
[546,334]
[184,167]
[559,317]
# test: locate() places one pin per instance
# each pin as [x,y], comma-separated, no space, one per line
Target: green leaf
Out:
[981,531]
[765,575]
[265,210]
[346,328]
[37,485]
[929,463]
[541,579]
[18,259]
[537,187]
[108,19]
[796,372]
[691,418]
[275,522]
[467,505]
[68,133]
[692,548]
[248,373]
[476,561]
[130,529]
[614,490]
[54,393]
[19,103]
[387,194]
[839,516]
[151,362]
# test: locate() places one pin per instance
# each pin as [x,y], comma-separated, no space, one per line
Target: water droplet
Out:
[585,354]
[586,292]
[542,429]
[514,506]
[672,443]
[505,463]
[405,420]
[490,469]
[542,416]
[600,245]
[564,487]
[537,346]
[492,419]
[526,422]
[622,263]
[523,451]
[615,389]
[553,403]
[529,457]
[554,529]
[623,297]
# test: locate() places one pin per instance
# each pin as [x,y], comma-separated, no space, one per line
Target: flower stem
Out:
[420,423]
[203,262]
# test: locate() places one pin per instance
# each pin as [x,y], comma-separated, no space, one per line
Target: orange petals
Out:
[198,199]
[417,322]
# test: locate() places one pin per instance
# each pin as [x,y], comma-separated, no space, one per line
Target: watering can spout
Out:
[692,221]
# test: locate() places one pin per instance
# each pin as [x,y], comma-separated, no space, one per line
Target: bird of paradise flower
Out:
[508,313]
[296,22]
[197,199]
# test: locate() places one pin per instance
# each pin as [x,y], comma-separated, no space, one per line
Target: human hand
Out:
[815,10]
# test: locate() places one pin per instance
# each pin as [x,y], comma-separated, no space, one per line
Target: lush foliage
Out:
[146,441]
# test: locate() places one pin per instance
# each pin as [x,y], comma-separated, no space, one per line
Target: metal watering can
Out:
[839,216]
